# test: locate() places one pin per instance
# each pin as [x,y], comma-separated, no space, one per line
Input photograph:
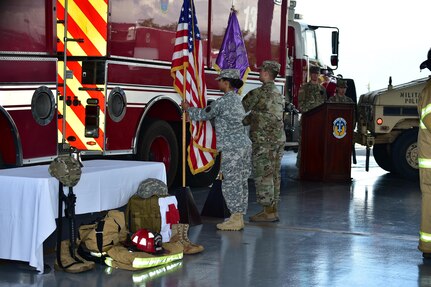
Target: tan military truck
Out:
[388,122]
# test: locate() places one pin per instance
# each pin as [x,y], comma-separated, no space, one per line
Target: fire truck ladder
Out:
[67,74]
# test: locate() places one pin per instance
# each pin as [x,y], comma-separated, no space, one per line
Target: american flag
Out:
[189,81]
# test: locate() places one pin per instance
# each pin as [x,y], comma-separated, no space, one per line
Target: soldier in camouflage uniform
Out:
[310,96]
[232,142]
[266,106]
[340,97]
[340,94]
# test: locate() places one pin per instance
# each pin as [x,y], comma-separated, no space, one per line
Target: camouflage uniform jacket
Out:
[340,99]
[266,107]
[310,96]
[228,114]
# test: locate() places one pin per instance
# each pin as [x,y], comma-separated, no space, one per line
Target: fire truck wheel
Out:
[382,155]
[159,143]
[405,155]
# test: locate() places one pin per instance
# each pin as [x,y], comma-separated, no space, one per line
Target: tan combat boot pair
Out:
[180,234]
[268,214]
[234,223]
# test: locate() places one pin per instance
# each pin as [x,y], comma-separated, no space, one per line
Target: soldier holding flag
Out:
[233,142]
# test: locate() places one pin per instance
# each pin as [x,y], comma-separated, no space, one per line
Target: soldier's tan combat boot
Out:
[234,223]
[180,234]
[268,214]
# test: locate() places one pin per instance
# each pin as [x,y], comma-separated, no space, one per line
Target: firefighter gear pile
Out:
[155,237]
[107,241]
[152,210]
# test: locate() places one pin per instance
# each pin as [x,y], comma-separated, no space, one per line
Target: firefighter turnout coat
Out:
[424,160]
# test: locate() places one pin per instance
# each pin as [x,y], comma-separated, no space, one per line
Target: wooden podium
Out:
[326,142]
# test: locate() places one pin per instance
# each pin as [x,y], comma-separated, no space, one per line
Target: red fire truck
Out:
[96,74]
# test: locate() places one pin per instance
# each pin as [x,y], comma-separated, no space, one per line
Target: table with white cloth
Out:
[29,201]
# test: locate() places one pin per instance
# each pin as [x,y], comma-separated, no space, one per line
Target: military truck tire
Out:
[405,155]
[159,143]
[382,156]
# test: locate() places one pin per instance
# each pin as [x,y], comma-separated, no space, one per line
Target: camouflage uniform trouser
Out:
[266,172]
[425,184]
[236,169]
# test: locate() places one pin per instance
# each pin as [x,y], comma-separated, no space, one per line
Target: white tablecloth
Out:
[29,201]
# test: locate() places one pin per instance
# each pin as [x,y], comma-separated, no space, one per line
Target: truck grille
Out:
[400,111]
[365,115]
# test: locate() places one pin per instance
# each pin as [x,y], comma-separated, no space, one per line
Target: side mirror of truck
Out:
[334,60]
[335,42]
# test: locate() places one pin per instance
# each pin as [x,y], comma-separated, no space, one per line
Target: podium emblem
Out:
[339,128]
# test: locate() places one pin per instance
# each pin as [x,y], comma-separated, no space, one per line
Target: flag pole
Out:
[184,130]
[189,213]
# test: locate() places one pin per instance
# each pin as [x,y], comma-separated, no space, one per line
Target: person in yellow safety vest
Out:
[424,160]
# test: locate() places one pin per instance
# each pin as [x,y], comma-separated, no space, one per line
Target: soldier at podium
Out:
[312,94]
[340,93]
[341,97]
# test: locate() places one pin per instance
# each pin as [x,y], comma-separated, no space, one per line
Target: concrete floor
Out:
[359,234]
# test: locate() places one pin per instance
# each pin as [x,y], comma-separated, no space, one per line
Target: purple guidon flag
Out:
[232,54]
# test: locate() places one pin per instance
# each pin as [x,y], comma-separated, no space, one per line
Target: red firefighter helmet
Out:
[147,241]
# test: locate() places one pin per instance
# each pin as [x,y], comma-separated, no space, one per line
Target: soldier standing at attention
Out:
[311,95]
[266,107]
[232,141]
[424,160]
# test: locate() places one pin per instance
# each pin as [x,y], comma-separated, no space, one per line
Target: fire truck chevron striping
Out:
[87,21]
[86,36]
[95,74]
[75,111]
